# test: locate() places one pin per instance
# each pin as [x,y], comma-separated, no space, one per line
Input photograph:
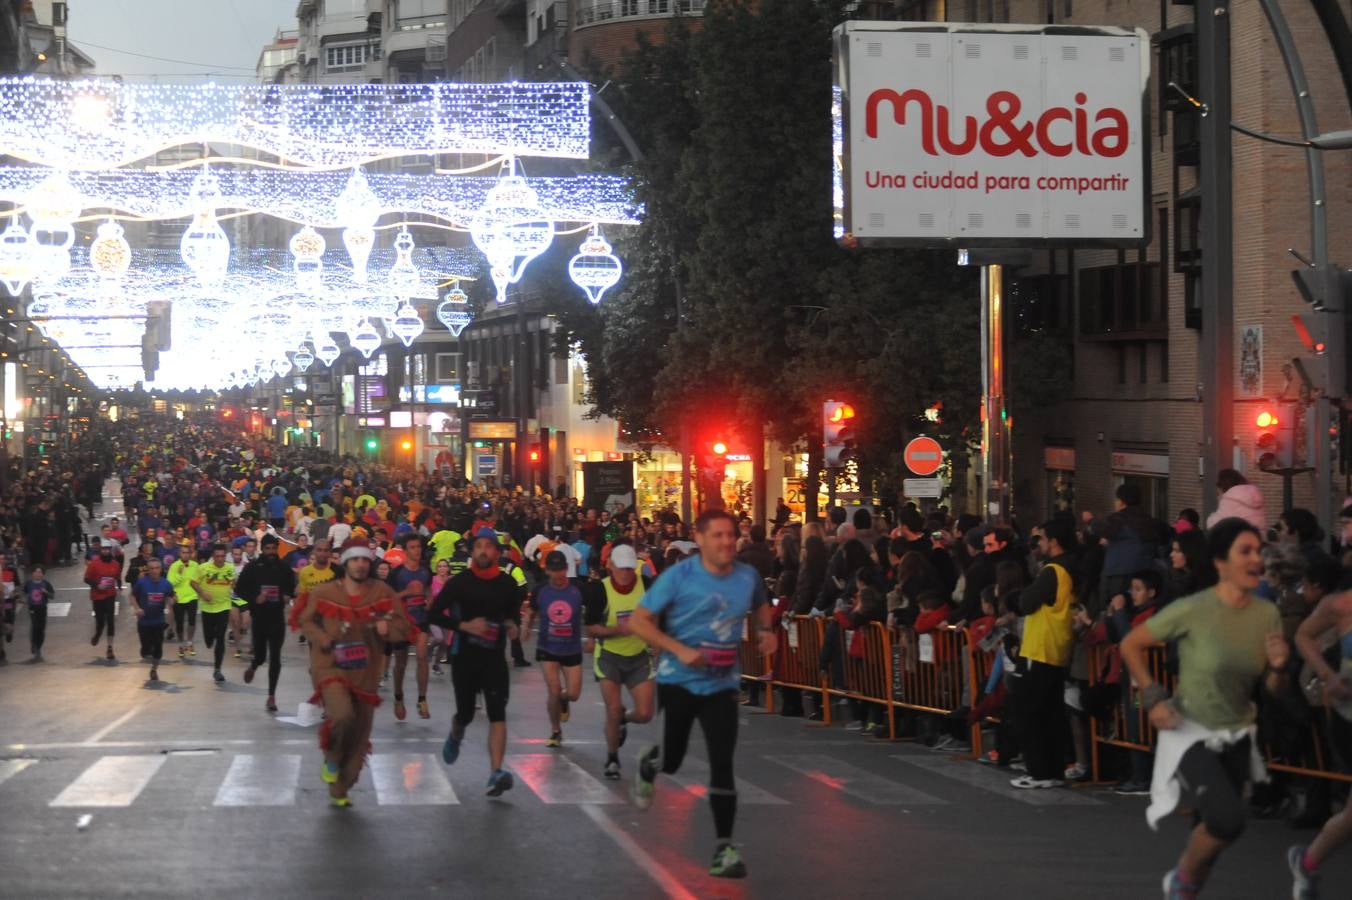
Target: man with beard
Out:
[267,583]
[347,622]
[412,580]
[482,608]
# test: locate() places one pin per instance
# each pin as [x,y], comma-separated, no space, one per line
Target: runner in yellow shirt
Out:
[215,588]
[183,576]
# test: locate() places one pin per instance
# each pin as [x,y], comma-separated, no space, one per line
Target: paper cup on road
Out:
[308,714]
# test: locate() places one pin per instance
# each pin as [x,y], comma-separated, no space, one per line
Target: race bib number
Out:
[154,603]
[413,600]
[622,618]
[489,639]
[350,654]
[719,658]
[562,631]
[926,647]
[106,583]
[37,597]
[270,593]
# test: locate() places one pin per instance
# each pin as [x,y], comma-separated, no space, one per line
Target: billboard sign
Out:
[992,136]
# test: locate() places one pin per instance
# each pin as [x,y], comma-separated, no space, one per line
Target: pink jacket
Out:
[1243,501]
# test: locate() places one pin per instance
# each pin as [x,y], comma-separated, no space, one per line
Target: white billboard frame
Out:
[858,223]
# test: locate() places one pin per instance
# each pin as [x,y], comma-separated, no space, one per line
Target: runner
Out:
[239,608]
[149,596]
[267,583]
[9,588]
[481,608]
[622,660]
[411,580]
[695,614]
[347,622]
[38,591]
[1228,641]
[183,576]
[1334,614]
[103,574]
[558,648]
[215,589]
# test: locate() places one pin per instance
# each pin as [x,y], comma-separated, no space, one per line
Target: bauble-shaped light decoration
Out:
[303,358]
[453,312]
[595,268]
[327,350]
[358,209]
[407,324]
[16,257]
[365,339]
[307,246]
[282,366]
[403,278]
[53,206]
[110,254]
[511,229]
[204,247]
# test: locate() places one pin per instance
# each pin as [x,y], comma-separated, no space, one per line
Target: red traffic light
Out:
[720,448]
[841,412]
[534,455]
[1266,419]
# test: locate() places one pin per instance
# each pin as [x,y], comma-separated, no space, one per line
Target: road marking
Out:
[11,767]
[557,779]
[694,776]
[410,779]
[111,781]
[260,781]
[995,781]
[58,610]
[666,881]
[114,725]
[856,782]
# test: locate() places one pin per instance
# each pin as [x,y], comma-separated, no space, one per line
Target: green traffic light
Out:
[371,444]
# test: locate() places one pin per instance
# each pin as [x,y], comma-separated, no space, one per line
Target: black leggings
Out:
[717,717]
[185,613]
[268,636]
[37,620]
[105,619]
[1214,784]
[214,627]
[471,676]
[152,641]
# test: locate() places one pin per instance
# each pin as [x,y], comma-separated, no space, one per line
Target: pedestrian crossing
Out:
[283,779]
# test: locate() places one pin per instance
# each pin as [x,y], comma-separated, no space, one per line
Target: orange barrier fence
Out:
[1129,724]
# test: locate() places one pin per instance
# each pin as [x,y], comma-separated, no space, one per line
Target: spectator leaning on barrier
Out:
[1135,541]
[1048,607]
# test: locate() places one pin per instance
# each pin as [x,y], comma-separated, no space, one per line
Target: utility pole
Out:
[1216,360]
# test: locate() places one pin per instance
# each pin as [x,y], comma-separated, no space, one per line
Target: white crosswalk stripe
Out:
[557,779]
[58,610]
[694,777]
[411,779]
[111,781]
[11,767]
[255,780]
[996,781]
[858,783]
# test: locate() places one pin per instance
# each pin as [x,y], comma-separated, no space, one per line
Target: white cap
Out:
[623,557]
[357,552]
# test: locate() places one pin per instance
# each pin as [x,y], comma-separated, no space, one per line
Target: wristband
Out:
[1152,695]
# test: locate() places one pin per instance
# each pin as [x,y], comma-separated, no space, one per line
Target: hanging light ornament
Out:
[110,254]
[407,324]
[307,246]
[16,258]
[282,366]
[326,349]
[403,277]
[53,206]
[453,312]
[358,209]
[303,358]
[511,229]
[595,269]
[365,338]
[204,247]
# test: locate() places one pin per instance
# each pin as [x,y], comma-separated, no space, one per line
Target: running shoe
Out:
[1304,884]
[110,656]
[727,863]
[182,651]
[450,751]
[521,663]
[192,650]
[300,639]
[218,677]
[554,740]
[328,773]
[1175,888]
[155,675]
[855,726]
[501,780]
[436,668]
[1077,772]
[423,711]
[1132,788]
[340,802]
[564,711]
[249,674]
[94,641]
[871,729]
[644,788]
[1028,783]
[612,770]
[271,704]
[399,709]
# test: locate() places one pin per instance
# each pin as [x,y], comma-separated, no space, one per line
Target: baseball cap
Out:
[623,557]
[486,533]
[555,560]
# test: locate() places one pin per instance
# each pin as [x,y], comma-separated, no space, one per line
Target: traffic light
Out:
[405,445]
[533,454]
[372,445]
[837,433]
[712,463]
[1275,440]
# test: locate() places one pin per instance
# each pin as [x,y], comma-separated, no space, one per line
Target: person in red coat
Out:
[103,574]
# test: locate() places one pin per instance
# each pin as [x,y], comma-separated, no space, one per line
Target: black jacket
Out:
[468,596]
[265,572]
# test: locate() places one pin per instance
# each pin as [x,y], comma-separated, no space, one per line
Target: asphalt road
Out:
[110,787]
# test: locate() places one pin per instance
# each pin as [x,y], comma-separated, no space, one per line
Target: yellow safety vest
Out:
[623,605]
[1047,633]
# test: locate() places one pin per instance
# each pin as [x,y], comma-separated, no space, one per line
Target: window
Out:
[1123,300]
[411,15]
[345,58]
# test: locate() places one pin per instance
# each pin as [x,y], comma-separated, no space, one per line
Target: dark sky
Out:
[205,39]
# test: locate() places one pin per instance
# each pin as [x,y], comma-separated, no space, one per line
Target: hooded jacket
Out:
[1243,501]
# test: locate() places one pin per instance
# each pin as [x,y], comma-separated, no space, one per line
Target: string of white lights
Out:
[104,124]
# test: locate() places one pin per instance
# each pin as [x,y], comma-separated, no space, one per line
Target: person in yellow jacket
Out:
[1048,605]
[183,575]
[215,588]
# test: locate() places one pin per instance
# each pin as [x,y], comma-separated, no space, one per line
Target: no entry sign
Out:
[923,456]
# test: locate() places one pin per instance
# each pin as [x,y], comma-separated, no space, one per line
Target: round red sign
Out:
[923,456]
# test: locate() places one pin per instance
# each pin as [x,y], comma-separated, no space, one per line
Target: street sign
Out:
[923,455]
[922,488]
[485,465]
